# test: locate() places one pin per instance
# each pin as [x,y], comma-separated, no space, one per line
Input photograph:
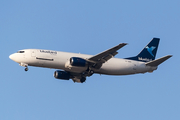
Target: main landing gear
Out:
[91,72]
[88,73]
[83,79]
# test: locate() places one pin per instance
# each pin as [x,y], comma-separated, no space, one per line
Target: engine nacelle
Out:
[79,62]
[62,75]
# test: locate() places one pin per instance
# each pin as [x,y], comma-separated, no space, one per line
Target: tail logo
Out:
[150,50]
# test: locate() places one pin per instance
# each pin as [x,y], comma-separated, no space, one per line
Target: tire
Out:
[83,79]
[26,69]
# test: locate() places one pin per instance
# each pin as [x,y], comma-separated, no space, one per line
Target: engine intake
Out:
[62,75]
[79,62]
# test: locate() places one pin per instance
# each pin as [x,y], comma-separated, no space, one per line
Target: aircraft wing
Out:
[97,61]
[106,55]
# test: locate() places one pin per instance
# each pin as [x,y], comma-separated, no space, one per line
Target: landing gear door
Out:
[33,54]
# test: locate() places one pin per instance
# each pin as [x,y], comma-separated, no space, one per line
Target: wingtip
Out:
[170,56]
[123,43]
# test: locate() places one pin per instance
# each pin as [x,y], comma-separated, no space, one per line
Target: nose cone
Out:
[11,56]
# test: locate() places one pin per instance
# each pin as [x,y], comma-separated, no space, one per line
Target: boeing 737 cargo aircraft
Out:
[78,66]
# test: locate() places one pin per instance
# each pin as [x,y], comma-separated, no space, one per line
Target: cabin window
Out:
[20,52]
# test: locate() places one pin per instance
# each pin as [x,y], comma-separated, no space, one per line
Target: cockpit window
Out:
[20,52]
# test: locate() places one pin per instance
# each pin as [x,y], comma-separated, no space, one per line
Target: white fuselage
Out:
[58,60]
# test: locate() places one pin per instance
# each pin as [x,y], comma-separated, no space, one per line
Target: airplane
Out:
[79,66]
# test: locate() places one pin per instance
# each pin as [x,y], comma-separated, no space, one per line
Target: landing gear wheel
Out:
[83,79]
[26,69]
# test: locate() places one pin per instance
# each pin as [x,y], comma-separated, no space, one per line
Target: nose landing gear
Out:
[24,65]
[26,69]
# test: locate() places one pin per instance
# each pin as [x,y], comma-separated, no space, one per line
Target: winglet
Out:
[158,61]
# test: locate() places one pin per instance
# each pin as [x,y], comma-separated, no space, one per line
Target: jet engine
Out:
[78,62]
[62,75]
[76,65]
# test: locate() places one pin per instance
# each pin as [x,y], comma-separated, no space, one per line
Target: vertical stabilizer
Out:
[149,52]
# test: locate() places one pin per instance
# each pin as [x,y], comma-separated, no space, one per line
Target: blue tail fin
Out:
[148,53]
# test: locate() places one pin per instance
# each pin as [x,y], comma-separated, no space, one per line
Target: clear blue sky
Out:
[89,27]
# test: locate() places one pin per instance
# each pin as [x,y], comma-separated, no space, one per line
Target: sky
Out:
[89,27]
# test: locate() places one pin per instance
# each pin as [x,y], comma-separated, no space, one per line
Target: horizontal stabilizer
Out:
[158,61]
